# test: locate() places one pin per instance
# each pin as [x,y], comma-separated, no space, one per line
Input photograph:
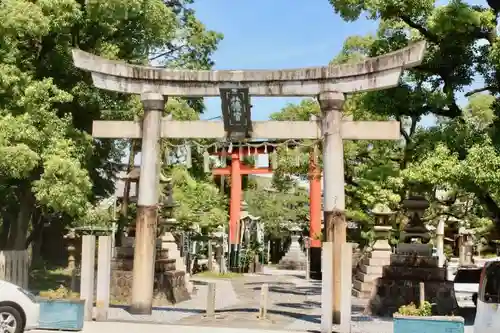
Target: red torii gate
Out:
[237,169]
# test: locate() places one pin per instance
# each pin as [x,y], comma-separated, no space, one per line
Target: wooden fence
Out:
[14,267]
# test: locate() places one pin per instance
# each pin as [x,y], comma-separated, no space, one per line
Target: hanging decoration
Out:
[298,156]
[245,148]
[274,160]
[223,157]
[166,155]
[187,148]
[206,161]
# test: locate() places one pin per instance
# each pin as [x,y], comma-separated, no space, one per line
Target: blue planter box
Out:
[432,324]
[61,314]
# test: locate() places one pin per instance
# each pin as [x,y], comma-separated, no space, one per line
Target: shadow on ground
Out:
[292,290]
[164,309]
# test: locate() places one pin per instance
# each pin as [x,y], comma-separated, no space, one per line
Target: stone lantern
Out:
[382,229]
[167,221]
[415,228]
[294,258]
[372,265]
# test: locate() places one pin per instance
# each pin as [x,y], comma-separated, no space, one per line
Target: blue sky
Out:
[274,34]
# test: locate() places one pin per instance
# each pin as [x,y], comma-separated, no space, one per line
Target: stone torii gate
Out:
[328,83]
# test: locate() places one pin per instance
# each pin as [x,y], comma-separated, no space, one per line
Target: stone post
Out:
[346,288]
[461,250]
[331,104]
[440,242]
[211,294]
[88,274]
[103,277]
[210,256]
[326,287]
[307,249]
[147,206]
[469,249]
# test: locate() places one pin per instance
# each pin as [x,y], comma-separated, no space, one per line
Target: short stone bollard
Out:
[210,310]
[264,291]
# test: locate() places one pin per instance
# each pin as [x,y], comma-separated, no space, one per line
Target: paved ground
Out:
[294,305]
[286,302]
[93,327]
[172,314]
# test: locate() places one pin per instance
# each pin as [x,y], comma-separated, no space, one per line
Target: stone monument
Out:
[412,264]
[295,257]
[170,282]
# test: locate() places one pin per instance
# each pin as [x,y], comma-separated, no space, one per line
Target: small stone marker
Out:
[421,286]
[264,291]
[307,245]
[210,311]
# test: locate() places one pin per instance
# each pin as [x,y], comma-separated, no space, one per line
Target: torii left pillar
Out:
[147,205]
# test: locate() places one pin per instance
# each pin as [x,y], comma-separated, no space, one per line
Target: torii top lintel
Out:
[370,74]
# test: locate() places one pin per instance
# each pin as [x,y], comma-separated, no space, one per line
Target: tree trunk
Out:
[19,232]
[4,235]
[35,238]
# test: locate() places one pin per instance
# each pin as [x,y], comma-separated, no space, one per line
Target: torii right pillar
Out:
[338,281]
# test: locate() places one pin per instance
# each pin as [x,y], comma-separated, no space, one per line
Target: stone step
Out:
[360,294]
[165,265]
[377,254]
[363,277]
[413,261]
[124,252]
[375,261]
[363,286]
[128,265]
[415,273]
[370,269]
[162,254]
[122,264]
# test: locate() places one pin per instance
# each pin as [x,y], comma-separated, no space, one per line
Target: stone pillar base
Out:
[315,263]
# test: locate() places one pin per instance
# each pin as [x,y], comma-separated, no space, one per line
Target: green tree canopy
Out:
[278,210]
[49,162]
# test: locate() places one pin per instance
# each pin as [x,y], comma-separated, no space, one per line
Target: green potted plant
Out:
[411,318]
[61,309]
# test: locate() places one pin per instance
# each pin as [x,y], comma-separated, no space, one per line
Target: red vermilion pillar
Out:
[314,217]
[234,211]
